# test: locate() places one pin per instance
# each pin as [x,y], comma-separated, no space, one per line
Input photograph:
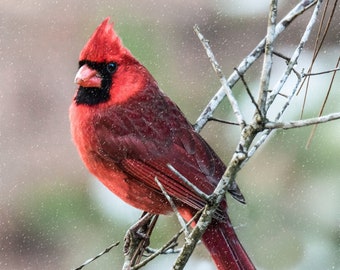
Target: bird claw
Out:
[137,238]
[133,237]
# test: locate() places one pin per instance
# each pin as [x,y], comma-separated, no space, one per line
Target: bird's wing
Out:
[146,158]
[143,139]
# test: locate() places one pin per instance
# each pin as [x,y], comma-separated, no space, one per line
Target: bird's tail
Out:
[225,248]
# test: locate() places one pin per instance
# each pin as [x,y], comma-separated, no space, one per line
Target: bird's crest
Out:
[104,45]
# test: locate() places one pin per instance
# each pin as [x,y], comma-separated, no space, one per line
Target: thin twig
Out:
[249,93]
[222,78]
[286,58]
[194,188]
[223,121]
[173,206]
[303,123]
[98,256]
[170,249]
[321,72]
[159,251]
[323,106]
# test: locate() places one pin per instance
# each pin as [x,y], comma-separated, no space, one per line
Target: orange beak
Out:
[88,77]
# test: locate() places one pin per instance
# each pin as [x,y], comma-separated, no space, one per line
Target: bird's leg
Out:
[137,238]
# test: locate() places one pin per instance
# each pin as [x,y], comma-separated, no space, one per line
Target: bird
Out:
[129,132]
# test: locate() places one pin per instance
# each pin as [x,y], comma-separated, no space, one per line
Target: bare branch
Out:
[268,59]
[223,121]
[247,62]
[257,145]
[249,93]
[200,193]
[170,244]
[294,57]
[169,250]
[209,210]
[317,47]
[173,206]
[323,105]
[321,72]
[266,133]
[303,123]
[289,98]
[248,132]
[98,256]
[194,237]
[223,80]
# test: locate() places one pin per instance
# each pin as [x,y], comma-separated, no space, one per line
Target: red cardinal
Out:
[127,132]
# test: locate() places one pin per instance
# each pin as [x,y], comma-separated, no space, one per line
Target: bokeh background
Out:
[54,215]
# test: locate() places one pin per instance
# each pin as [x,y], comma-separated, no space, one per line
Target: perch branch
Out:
[170,244]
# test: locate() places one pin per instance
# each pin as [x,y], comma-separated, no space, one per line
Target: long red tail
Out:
[225,248]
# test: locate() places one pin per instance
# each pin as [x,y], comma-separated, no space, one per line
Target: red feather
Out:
[130,135]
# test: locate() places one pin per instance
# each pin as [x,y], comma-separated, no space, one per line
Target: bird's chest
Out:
[88,133]
[83,130]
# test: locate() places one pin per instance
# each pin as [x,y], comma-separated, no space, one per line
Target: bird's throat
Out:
[91,95]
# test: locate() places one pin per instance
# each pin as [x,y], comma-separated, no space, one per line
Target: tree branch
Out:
[137,239]
[217,68]
[321,72]
[295,56]
[170,244]
[247,62]
[97,256]
[248,132]
[268,59]
[173,206]
[303,123]
[200,193]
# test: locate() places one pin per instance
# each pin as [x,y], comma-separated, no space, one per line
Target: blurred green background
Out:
[54,215]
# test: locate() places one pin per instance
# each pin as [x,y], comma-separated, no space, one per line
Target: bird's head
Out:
[107,70]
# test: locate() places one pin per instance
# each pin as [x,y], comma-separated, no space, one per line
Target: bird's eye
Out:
[111,67]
